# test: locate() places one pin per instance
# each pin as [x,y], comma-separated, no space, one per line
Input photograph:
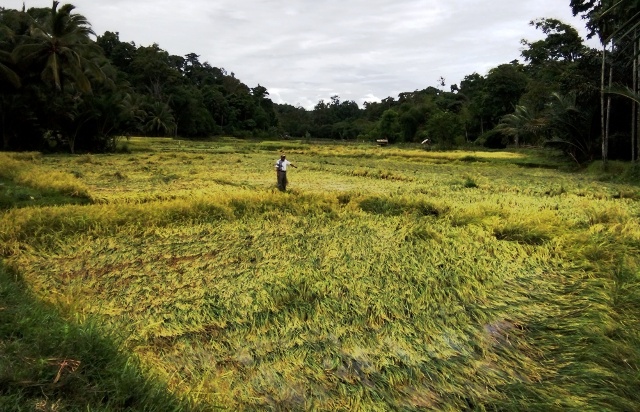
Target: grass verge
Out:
[49,364]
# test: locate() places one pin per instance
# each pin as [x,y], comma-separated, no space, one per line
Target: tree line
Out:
[62,90]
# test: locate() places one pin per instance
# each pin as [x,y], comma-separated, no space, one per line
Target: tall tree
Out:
[562,43]
[444,128]
[472,90]
[389,126]
[8,76]
[60,49]
[9,82]
[504,85]
[615,22]
[160,120]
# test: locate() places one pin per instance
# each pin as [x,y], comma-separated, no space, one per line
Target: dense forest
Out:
[62,87]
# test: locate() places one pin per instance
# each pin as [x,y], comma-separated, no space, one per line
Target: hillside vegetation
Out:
[386,278]
[112,88]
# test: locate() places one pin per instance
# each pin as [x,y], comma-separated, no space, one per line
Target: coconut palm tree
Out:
[11,78]
[59,48]
[522,124]
[10,82]
[160,120]
[8,76]
[568,126]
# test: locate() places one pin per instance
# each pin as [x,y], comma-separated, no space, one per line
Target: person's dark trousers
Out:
[282,180]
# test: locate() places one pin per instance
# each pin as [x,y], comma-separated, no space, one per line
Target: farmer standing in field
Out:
[281,171]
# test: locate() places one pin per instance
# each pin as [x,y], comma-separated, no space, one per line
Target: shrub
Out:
[493,139]
[444,128]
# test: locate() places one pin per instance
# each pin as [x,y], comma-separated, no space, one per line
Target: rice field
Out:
[386,278]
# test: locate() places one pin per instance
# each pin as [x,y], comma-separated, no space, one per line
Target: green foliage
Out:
[504,87]
[150,92]
[58,47]
[444,128]
[562,43]
[410,121]
[53,66]
[147,91]
[160,121]
[389,126]
[523,125]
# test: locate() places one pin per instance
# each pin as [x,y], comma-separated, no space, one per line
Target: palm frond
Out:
[627,92]
[8,74]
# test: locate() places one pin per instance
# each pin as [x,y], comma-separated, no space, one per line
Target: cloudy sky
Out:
[303,51]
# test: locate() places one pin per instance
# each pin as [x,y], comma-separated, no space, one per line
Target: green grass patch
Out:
[615,171]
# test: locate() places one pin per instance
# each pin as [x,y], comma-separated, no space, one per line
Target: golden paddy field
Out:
[386,278]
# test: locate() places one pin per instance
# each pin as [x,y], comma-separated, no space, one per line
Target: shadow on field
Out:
[49,364]
[14,195]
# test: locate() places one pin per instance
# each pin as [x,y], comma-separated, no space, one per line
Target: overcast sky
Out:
[307,50]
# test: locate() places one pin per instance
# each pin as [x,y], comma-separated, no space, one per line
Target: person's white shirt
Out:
[282,164]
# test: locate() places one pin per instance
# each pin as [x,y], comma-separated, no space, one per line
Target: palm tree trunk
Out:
[606,141]
[636,78]
[634,107]
[5,135]
[602,107]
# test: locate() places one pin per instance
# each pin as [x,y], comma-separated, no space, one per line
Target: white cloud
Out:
[307,50]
